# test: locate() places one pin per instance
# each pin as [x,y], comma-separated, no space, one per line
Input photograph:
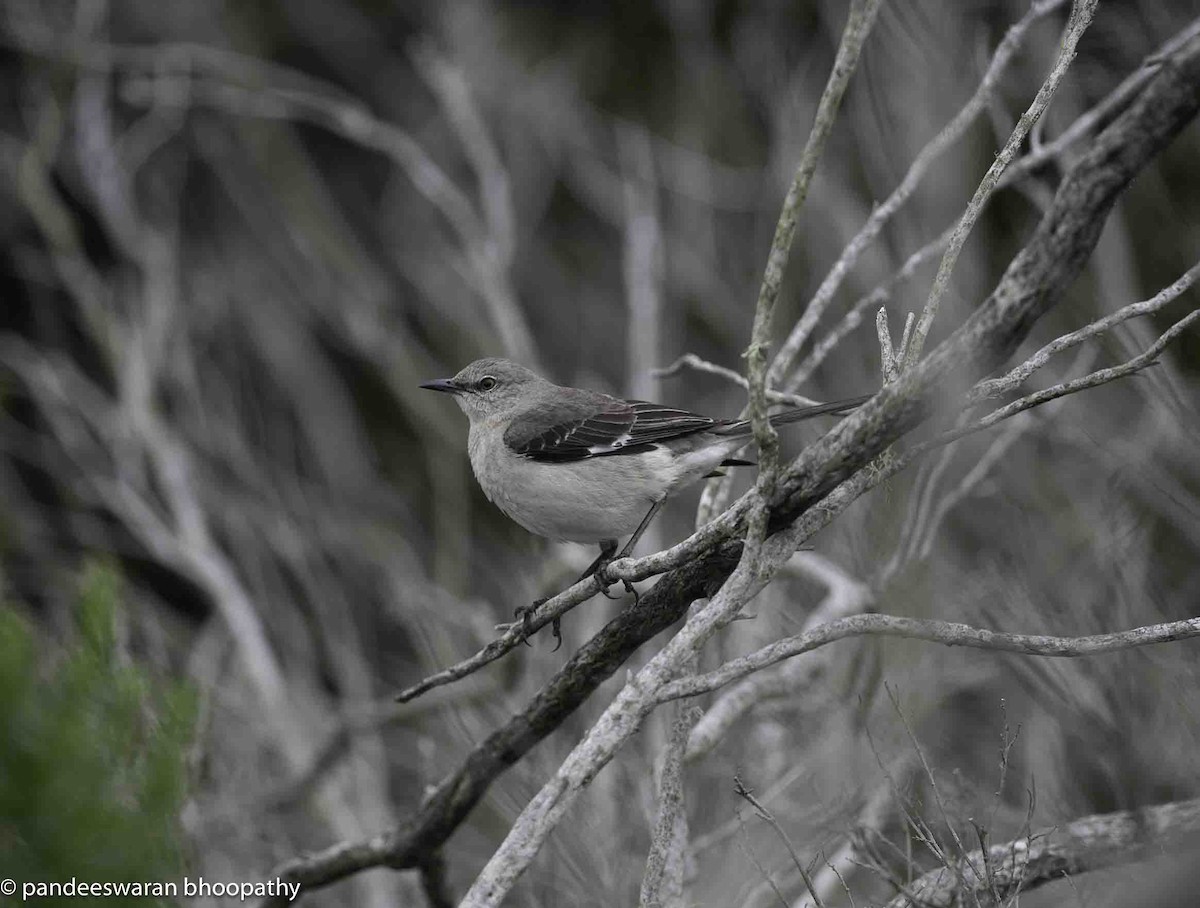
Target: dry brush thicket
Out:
[238,237]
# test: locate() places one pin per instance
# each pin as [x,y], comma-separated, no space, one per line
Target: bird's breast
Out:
[485,448]
[587,500]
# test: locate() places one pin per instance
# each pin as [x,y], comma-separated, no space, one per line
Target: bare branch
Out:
[1081,16]
[1020,169]
[1099,115]
[1089,843]
[1010,381]
[513,636]
[916,171]
[1091,380]
[766,816]
[1036,279]
[859,20]
[1034,283]
[870,819]
[944,632]
[692,361]
[662,884]
[757,561]
[887,354]
[601,656]
[844,596]
[877,297]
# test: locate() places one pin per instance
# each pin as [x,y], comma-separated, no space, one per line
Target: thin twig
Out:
[947,633]
[1099,841]
[513,636]
[1102,113]
[758,865]
[852,319]
[846,595]
[894,699]
[869,821]
[1091,380]
[692,361]
[858,25]
[1011,380]
[766,816]
[912,178]
[1081,16]
[887,354]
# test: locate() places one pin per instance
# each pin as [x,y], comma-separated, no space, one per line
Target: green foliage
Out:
[92,755]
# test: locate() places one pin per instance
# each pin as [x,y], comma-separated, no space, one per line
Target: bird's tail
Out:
[742,426]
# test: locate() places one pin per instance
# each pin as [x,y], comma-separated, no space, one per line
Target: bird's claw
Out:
[524,614]
[605,582]
[606,594]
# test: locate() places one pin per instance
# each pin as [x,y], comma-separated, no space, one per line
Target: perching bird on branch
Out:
[581,466]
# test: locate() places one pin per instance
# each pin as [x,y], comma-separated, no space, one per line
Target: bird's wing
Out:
[596,425]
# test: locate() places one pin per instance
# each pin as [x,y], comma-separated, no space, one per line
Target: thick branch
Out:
[662,882]
[453,799]
[1036,281]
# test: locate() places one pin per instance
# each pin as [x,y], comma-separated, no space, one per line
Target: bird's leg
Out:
[608,548]
[637,534]
[525,612]
[601,569]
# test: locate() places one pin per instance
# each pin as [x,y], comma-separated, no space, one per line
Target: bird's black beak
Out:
[445,385]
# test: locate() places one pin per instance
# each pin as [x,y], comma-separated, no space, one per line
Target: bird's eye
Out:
[487,383]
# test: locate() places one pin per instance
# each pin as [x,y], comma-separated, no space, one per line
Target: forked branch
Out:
[1035,282]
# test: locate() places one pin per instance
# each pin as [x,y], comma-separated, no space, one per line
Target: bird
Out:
[576,465]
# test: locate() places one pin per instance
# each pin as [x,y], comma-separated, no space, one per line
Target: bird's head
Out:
[489,388]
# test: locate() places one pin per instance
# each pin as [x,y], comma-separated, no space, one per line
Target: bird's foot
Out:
[605,581]
[524,614]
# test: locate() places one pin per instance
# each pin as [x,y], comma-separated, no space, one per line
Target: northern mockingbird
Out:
[581,466]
